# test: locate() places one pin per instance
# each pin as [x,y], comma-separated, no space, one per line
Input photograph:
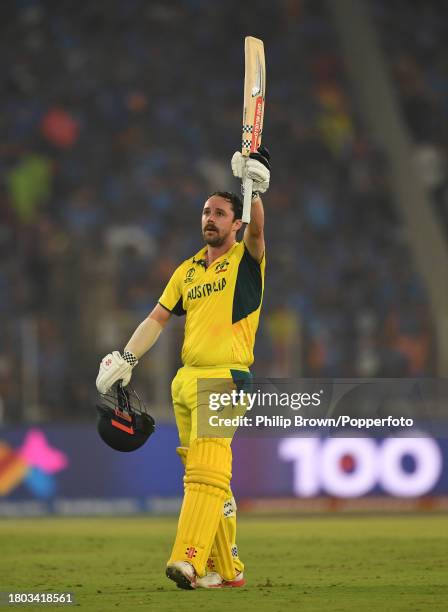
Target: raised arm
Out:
[257,167]
[254,232]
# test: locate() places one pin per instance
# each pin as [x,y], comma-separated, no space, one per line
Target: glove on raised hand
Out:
[257,167]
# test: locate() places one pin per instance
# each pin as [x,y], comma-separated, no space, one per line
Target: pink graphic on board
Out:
[34,464]
[37,452]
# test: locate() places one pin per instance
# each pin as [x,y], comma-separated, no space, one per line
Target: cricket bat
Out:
[253,110]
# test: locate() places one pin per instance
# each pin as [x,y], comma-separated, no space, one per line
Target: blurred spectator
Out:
[284,330]
[59,128]
[29,185]
[414,38]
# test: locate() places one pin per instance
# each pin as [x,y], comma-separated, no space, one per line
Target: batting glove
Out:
[257,167]
[115,367]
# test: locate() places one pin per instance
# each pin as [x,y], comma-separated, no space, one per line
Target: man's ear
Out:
[238,224]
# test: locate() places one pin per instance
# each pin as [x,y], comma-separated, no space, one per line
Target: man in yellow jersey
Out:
[220,291]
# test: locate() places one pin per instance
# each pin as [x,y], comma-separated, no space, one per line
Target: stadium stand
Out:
[118,118]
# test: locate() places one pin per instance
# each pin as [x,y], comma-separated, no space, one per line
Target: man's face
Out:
[217,221]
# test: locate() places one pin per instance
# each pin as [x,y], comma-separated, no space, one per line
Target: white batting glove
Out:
[114,367]
[238,164]
[243,167]
[259,174]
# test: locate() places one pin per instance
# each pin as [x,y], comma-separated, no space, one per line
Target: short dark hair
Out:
[235,202]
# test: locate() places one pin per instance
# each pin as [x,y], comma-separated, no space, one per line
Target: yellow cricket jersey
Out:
[222,305]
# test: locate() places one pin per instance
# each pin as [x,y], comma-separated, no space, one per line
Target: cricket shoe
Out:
[212,580]
[183,574]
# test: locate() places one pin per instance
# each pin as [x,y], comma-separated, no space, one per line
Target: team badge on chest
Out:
[189,275]
[222,266]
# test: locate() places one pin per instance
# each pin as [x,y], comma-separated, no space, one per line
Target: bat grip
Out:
[247,199]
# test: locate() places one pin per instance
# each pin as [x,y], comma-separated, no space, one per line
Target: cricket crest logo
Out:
[191,552]
[222,266]
[189,275]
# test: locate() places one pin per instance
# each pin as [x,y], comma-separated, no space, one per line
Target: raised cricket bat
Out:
[253,111]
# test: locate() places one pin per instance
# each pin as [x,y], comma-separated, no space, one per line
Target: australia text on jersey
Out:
[206,289]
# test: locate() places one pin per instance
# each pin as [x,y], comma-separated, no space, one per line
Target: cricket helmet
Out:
[123,423]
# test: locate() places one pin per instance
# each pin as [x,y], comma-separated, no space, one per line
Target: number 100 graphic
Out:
[351,467]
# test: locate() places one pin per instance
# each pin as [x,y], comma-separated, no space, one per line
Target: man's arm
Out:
[257,167]
[254,232]
[148,331]
[116,366]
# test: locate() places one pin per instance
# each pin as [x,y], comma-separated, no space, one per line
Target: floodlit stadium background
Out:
[116,121]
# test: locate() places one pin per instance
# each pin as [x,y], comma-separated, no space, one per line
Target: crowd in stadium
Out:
[413,36]
[114,129]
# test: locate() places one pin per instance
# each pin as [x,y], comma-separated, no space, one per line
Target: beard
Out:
[214,239]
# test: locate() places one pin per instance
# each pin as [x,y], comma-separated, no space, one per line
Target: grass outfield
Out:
[329,563]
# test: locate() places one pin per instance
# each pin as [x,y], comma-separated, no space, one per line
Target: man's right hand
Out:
[114,367]
[256,167]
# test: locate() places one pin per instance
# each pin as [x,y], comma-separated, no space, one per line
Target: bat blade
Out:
[253,109]
[254,94]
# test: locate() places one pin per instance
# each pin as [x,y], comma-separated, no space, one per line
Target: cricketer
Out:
[220,290]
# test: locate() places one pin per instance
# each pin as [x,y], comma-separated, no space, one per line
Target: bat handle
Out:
[247,199]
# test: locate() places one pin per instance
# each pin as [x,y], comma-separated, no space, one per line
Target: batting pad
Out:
[207,483]
[221,559]
[224,553]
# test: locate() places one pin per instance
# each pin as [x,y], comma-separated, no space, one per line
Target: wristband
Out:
[130,358]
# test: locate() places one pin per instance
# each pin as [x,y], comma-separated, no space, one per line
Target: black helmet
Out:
[124,424]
